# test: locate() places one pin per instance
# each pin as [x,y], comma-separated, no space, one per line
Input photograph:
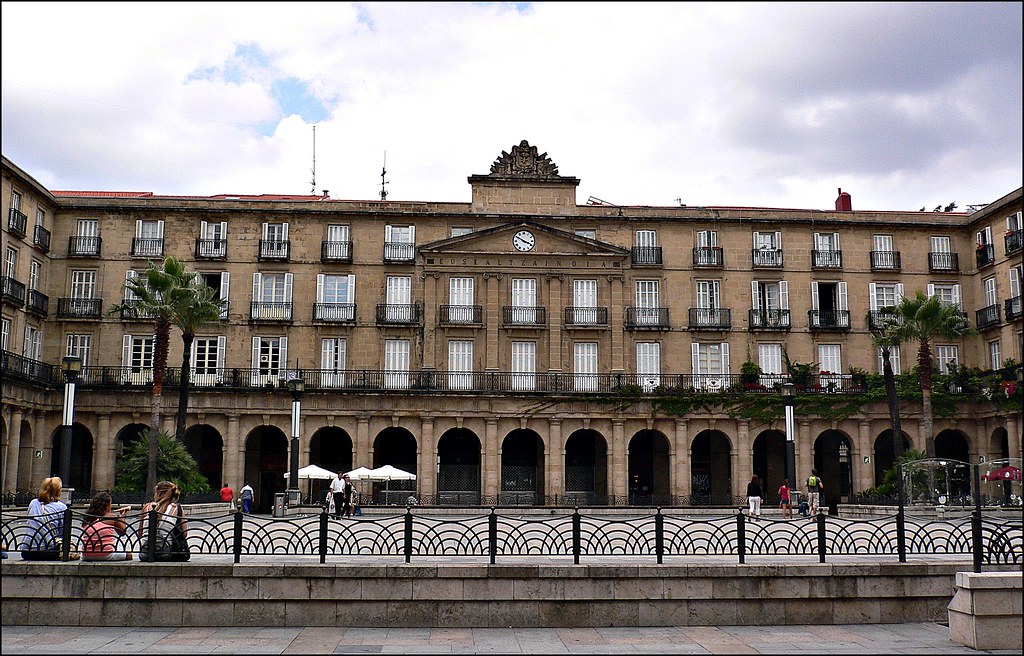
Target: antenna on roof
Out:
[383,172]
[312,190]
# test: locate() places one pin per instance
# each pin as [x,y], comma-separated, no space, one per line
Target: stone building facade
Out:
[510,349]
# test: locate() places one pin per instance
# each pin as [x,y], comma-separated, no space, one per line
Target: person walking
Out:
[785,500]
[347,497]
[338,492]
[754,494]
[246,494]
[814,488]
[227,495]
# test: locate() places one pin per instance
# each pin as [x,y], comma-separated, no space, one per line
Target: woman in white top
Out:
[45,523]
[165,503]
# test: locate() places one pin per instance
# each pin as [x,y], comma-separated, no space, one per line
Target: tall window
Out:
[884,294]
[948,293]
[137,359]
[213,236]
[460,299]
[524,366]
[829,305]
[585,366]
[995,358]
[767,249]
[707,253]
[79,346]
[87,238]
[883,254]
[35,272]
[830,358]
[339,244]
[33,343]
[827,253]
[220,281]
[335,297]
[524,301]
[333,353]
[769,358]
[584,301]
[645,250]
[269,359]
[894,360]
[989,285]
[460,364]
[647,302]
[208,360]
[710,364]
[149,239]
[770,302]
[83,284]
[396,364]
[274,244]
[5,334]
[648,365]
[945,356]
[11,262]
[399,242]
[273,293]
[398,299]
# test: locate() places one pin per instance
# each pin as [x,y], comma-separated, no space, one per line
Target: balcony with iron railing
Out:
[576,316]
[985,254]
[880,319]
[833,320]
[275,249]
[399,251]
[211,249]
[79,308]
[885,260]
[461,315]
[132,310]
[766,258]
[334,312]
[399,314]
[336,251]
[38,303]
[710,319]
[147,247]
[17,222]
[939,262]
[270,311]
[645,256]
[1013,308]
[84,246]
[13,291]
[826,259]
[773,319]
[708,256]
[41,238]
[987,317]
[1013,241]
[18,367]
[649,318]
[524,316]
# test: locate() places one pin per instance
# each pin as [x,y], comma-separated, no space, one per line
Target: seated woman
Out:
[45,523]
[101,528]
[165,502]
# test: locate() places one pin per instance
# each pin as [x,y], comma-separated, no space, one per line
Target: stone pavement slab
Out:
[918,638]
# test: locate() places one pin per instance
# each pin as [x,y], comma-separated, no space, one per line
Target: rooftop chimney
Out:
[844,203]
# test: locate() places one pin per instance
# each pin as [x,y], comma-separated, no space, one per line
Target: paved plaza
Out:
[919,638]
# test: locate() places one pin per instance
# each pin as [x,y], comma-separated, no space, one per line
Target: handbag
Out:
[179,542]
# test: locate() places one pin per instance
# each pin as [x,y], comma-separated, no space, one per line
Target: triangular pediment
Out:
[512,239]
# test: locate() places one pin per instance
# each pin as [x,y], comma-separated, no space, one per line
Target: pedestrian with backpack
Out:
[814,489]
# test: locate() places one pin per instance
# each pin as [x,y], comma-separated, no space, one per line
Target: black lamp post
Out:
[789,400]
[72,367]
[297,386]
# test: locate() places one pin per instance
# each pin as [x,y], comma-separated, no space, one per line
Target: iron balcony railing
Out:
[831,320]
[826,259]
[13,291]
[585,317]
[527,316]
[453,315]
[270,310]
[17,222]
[132,310]
[885,260]
[1013,308]
[645,255]
[774,319]
[275,249]
[336,251]
[710,318]
[334,312]
[708,256]
[41,238]
[987,317]
[83,246]
[943,262]
[211,249]
[38,303]
[147,247]
[399,251]
[79,308]
[399,314]
[1013,241]
[18,367]
[879,319]
[646,317]
[985,254]
[767,258]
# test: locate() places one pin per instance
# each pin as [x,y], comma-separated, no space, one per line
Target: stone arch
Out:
[833,459]
[953,444]
[458,468]
[648,470]
[711,469]
[266,461]
[23,475]
[769,455]
[80,476]
[123,441]
[206,445]
[330,447]
[999,444]
[522,468]
[883,456]
[397,447]
[586,468]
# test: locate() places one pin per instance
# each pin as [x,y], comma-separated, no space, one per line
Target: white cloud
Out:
[771,104]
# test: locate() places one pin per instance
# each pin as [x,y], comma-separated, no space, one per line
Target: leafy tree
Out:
[923,319]
[173,463]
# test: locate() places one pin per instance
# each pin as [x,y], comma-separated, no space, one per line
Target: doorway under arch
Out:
[522,468]
[648,473]
[770,461]
[394,446]
[884,455]
[586,468]
[80,475]
[711,469]
[458,468]
[266,461]
[833,458]
[205,444]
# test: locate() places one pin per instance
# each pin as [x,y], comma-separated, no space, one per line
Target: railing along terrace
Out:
[987,316]
[461,314]
[769,319]
[41,238]
[567,532]
[397,251]
[708,256]
[17,222]
[718,318]
[335,312]
[274,249]
[133,310]
[580,316]
[517,315]
[826,259]
[270,311]
[647,317]
[829,320]
[18,367]
[402,313]
[79,308]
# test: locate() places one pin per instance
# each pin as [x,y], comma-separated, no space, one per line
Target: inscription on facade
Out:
[526,262]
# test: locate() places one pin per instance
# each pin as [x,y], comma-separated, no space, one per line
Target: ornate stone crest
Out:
[524,161]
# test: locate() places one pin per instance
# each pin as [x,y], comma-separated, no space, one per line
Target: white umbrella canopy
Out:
[313,471]
[390,473]
[359,473]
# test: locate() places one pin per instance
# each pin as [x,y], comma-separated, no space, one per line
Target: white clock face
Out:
[524,240]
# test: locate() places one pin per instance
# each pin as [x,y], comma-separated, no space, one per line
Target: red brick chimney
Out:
[844,203]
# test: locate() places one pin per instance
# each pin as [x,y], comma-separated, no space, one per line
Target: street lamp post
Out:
[297,386]
[789,400]
[72,367]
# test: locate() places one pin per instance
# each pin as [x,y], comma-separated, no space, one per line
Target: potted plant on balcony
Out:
[750,374]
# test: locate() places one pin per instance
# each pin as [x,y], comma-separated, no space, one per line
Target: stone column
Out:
[13,450]
[681,463]
[42,440]
[234,456]
[492,306]
[615,312]
[491,459]
[554,304]
[804,453]
[427,459]
[863,473]
[556,461]
[619,474]
[1013,435]
[104,459]
[430,303]
[745,454]
[363,442]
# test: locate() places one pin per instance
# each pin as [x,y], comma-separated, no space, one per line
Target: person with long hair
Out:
[754,495]
[100,529]
[45,523]
[165,502]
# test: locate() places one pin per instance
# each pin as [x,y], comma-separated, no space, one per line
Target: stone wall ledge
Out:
[986,610]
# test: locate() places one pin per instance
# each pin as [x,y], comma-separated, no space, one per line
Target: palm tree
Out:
[925,318]
[886,338]
[168,293]
[191,317]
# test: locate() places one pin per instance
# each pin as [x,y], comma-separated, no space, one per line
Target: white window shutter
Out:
[843,301]
[778,239]
[160,229]
[284,356]
[319,288]
[872,296]
[257,286]
[138,228]
[725,358]
[327,354]
[126,351]
[225,284]
[1015,282]
[284,232]
[223,229]
[412,235]
[956,294]
[755,294]
[288,287]
[351,288]
[203,234]
[931,290]
[783,295]
[222,348]
[814,296]
[266,230]
[835,241]
[899,292]
[695,358]
[387,233]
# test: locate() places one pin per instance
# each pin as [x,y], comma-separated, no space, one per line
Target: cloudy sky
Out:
[774,105]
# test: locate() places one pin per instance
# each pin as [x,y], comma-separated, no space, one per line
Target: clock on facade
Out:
[524,240]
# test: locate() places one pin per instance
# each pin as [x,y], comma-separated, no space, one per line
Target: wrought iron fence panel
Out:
[848,537]
[262,536]
[769,537]
[445,536]
[547,535]
[619,536]
[1003,540]
[948,536]
[380,535]
[688,536]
